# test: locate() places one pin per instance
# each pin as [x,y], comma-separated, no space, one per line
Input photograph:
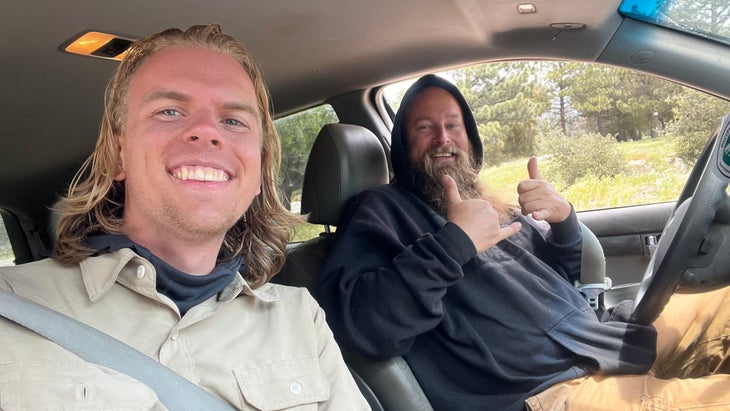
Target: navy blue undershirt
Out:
[184,289]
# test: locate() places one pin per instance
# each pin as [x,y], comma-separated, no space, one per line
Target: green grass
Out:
[306,231]
[654,174]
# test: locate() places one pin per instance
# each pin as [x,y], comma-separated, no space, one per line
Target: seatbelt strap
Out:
[174,391]
[593,281]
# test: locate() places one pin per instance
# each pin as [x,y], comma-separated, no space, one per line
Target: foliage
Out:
[297,133]
[575,157]
[306,231]
[620,102]
[695,117]
[513,101]
[591,192]
[573,111]
[559,79]
[502,179]
[706,13]
[506,99]
[649,174]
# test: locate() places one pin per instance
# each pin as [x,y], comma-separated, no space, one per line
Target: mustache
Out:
[463,159]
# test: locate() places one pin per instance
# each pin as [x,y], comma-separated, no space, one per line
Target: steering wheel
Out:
[687,256]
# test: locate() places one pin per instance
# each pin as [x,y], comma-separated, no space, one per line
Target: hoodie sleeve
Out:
[383,281]
[564,242]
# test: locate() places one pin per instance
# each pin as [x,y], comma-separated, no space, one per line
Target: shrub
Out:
[577,157]
[695,117]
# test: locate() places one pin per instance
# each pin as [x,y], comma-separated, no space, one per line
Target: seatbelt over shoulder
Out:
[92,345]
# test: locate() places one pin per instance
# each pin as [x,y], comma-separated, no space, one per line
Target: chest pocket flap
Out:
[287,384]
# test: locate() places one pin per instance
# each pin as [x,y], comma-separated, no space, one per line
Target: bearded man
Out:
[476,295]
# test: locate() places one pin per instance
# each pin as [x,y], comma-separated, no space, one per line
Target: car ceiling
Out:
[51,102]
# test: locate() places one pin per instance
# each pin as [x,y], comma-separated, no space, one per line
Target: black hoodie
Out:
[480,331]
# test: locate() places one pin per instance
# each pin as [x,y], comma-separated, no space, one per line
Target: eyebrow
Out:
[177,96]
[164,94]
[430,118]
[243,107]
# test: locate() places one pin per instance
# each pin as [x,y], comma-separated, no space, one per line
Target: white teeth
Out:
[200,174]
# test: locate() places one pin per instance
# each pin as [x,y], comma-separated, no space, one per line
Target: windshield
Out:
[705,18]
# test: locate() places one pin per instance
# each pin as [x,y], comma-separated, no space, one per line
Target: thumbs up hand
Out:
[539,199]
[475,217]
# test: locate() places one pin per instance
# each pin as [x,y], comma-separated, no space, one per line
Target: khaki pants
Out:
[690,373]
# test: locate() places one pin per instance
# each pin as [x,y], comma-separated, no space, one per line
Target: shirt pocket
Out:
[292,384]
[59,385]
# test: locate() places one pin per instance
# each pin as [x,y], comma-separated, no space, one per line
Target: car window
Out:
[604,136]
[297,132]
[6,249]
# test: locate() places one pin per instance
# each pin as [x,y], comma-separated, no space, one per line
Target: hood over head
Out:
[399,143]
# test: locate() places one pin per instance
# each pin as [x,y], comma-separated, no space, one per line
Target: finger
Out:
[452,192]
[532,169]
[509,231]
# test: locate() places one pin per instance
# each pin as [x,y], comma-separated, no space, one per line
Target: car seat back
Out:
[346,159]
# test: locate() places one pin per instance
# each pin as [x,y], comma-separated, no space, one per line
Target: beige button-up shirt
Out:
[263,349]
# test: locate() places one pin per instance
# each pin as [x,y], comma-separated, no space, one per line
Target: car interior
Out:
[343,54]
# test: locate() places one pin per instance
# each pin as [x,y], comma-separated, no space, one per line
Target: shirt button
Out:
[295,388]
[140,272]
[174,335]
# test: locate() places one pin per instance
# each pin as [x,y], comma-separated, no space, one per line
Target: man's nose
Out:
[441,136]
[204,129]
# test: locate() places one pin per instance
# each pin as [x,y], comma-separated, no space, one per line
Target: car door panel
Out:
[628,236]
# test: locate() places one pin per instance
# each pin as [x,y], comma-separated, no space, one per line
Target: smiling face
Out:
[438,144]
[190,150]
[435,129]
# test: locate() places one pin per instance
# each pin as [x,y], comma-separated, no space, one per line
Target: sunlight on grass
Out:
[306,231]
[654,174]
[502,180]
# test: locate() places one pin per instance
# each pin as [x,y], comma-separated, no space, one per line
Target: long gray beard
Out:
[428,180]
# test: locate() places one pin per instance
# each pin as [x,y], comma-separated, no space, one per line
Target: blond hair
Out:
[95,201]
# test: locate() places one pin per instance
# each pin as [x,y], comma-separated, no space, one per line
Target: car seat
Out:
[345,159]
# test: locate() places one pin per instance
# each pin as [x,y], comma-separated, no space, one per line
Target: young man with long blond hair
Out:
[167,239]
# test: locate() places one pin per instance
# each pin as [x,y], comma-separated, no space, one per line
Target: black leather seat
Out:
[344,160]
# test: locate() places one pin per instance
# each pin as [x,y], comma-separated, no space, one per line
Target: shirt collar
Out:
[124,266]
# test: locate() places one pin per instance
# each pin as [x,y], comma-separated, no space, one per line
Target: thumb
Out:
[532,169]
[452,192]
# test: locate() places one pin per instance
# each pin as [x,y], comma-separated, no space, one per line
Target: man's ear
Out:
[119,173]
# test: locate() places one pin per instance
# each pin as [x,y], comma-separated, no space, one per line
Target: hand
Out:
[476,217]
[539,199]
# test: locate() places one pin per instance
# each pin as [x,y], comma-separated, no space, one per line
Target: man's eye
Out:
[233,122]
[453,125]
[169,112]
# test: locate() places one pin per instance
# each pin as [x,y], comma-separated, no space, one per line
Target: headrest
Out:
[345,159]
